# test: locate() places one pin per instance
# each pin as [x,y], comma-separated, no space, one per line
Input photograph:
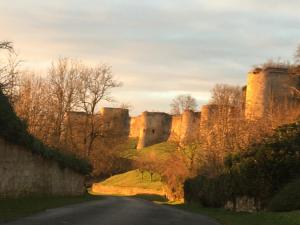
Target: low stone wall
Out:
[243,204]
[23,173]
[128,191]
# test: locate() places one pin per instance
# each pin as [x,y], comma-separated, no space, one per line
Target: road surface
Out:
[115,211]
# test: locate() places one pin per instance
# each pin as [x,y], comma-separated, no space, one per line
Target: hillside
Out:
[161,150]
[130,183]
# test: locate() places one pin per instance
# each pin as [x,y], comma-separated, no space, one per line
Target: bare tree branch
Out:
[6,45]
[182,103]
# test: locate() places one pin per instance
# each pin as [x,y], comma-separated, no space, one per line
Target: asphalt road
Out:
[115,211]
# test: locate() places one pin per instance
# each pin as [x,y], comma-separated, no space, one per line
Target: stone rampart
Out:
[23,174]
[155,128]
[268,90]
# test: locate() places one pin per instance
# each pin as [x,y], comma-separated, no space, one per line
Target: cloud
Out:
[157,48]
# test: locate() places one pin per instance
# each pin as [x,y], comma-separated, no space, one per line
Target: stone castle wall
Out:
[190,126]
[154,128]
[175,132]
[115,120]
[74,132]
[111,123]
[135,125]
[23,173]
[268,90]
[209,113]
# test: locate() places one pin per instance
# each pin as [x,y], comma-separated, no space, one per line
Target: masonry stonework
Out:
[190,126]
[23,173]
[266,90]
[209,113]
[269,89]
[115,121]
[155,128]
[135,126]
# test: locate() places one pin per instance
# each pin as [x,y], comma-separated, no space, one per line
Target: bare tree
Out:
[61,110]
[9,72]
[227,131]
[63,78]
[94,86]
[182,103]
[34,105]
[224,94]
[173,171]
[126,105]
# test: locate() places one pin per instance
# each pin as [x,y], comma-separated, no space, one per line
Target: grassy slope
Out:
[134,179]
[161,150]
[16,208]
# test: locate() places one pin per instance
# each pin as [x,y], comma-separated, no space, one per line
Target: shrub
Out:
[211,192]
[288,198]
[258,172]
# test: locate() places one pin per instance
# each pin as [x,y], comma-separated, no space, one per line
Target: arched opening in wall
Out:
[153,131]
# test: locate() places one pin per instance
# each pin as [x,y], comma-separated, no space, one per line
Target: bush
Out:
[287,199]
[14,130]
[210,192]
[258,172]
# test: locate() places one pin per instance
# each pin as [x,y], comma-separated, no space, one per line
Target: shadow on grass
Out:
[152,197]
[226,217]
[11,209]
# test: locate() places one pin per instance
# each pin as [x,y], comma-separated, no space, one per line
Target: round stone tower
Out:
[209,114]
[266,89]
[154,128]
[189,126]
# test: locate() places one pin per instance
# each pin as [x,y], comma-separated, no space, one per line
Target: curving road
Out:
[115,211]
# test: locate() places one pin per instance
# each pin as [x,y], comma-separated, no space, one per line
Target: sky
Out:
[158,49]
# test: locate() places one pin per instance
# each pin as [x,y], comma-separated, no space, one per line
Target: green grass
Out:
[161,150]
[233,218]
[153,198]
[226,217]
[129,149]
[287,199]
[134,178]
[15,208]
